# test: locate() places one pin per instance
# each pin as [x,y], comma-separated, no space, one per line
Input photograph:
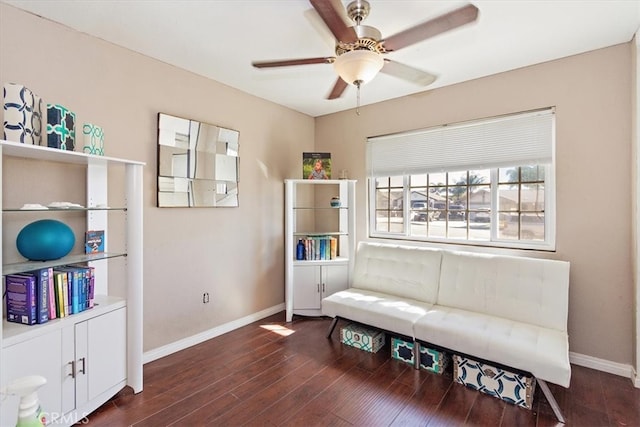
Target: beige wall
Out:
[591,93]
[235,254]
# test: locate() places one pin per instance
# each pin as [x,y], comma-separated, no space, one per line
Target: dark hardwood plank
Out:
[273,373]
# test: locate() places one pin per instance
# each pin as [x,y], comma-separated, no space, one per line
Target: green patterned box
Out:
[361,337]
[430,359]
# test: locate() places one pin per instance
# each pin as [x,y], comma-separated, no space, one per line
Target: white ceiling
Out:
[220,38]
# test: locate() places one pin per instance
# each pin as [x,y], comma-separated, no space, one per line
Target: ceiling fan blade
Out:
[338,88]
[332,12]
[446,22]
[408,73]
[288,62]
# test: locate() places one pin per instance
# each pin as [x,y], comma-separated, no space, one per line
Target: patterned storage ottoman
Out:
[430,359]
[508,386]
[361,337]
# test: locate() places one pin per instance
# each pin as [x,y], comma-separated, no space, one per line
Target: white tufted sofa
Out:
[509,311]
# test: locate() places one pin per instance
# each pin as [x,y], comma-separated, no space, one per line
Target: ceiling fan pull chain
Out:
[357,82]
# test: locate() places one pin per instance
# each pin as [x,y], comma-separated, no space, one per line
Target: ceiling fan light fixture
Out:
[359,66]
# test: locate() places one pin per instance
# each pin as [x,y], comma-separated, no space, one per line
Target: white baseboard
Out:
[608,366]
[165,350]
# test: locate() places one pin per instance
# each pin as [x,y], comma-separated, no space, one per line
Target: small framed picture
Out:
[316,165]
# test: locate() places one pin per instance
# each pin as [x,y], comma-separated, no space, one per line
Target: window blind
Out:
[517,139]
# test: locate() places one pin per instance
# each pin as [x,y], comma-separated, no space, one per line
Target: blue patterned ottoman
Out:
[514,388]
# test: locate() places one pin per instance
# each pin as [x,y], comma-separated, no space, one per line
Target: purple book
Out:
[21,299]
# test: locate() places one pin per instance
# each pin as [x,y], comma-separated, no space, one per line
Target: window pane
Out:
[437,179]
[480,176]
[419,180]
[456,178]
[457,229]
[509,174]
[509,226]
[419,224]
[382,221]
[508,197]
[532,173]
[438,227]
[382,182]
[382,199]
[532,198]
[532,227]
[480,226]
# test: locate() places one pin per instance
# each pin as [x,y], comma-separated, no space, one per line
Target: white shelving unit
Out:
[309,213]
[86,357]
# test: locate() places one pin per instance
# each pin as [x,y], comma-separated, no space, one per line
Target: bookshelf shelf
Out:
[21,267]
[309,216]
[107,337]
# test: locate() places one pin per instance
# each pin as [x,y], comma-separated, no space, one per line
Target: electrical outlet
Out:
[205,298]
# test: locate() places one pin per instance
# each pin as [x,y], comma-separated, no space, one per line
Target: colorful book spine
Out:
[21,302]
[59,292]
[52,295]
[42,291]
[92,283]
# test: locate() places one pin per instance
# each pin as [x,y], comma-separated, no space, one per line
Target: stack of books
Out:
[320,248]
[38,296]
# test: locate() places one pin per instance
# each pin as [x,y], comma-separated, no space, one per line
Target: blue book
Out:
[42,292]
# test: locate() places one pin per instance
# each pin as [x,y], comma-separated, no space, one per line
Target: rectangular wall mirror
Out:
[198,164]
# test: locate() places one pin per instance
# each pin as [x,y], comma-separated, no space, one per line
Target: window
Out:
[486,182]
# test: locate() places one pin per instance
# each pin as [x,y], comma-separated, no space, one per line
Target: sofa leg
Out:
[334,322]
[551,400]
[416,354]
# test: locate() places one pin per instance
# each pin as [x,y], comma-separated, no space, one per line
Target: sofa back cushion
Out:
[409,272]
[530,290]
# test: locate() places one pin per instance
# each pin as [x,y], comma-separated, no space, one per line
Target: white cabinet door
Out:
[335,278]
[39,356]
[94,358]
[306,287]
[106,351]
[311,283]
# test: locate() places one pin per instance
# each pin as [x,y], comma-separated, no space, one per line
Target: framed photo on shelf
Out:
[316,165]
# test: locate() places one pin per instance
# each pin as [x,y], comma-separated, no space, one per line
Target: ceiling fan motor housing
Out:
[368,39]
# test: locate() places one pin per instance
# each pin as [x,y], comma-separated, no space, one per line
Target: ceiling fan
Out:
[360,48]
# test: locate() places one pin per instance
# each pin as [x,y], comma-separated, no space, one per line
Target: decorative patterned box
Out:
[361,337]
[508,386]
[430,359]
[61,127]
[22,114]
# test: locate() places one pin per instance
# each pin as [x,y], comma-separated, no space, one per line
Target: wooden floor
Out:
[273,373]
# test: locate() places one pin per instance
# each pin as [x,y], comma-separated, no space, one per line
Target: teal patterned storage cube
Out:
[430,359]
[361,337]
[61,127]
[514,388]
